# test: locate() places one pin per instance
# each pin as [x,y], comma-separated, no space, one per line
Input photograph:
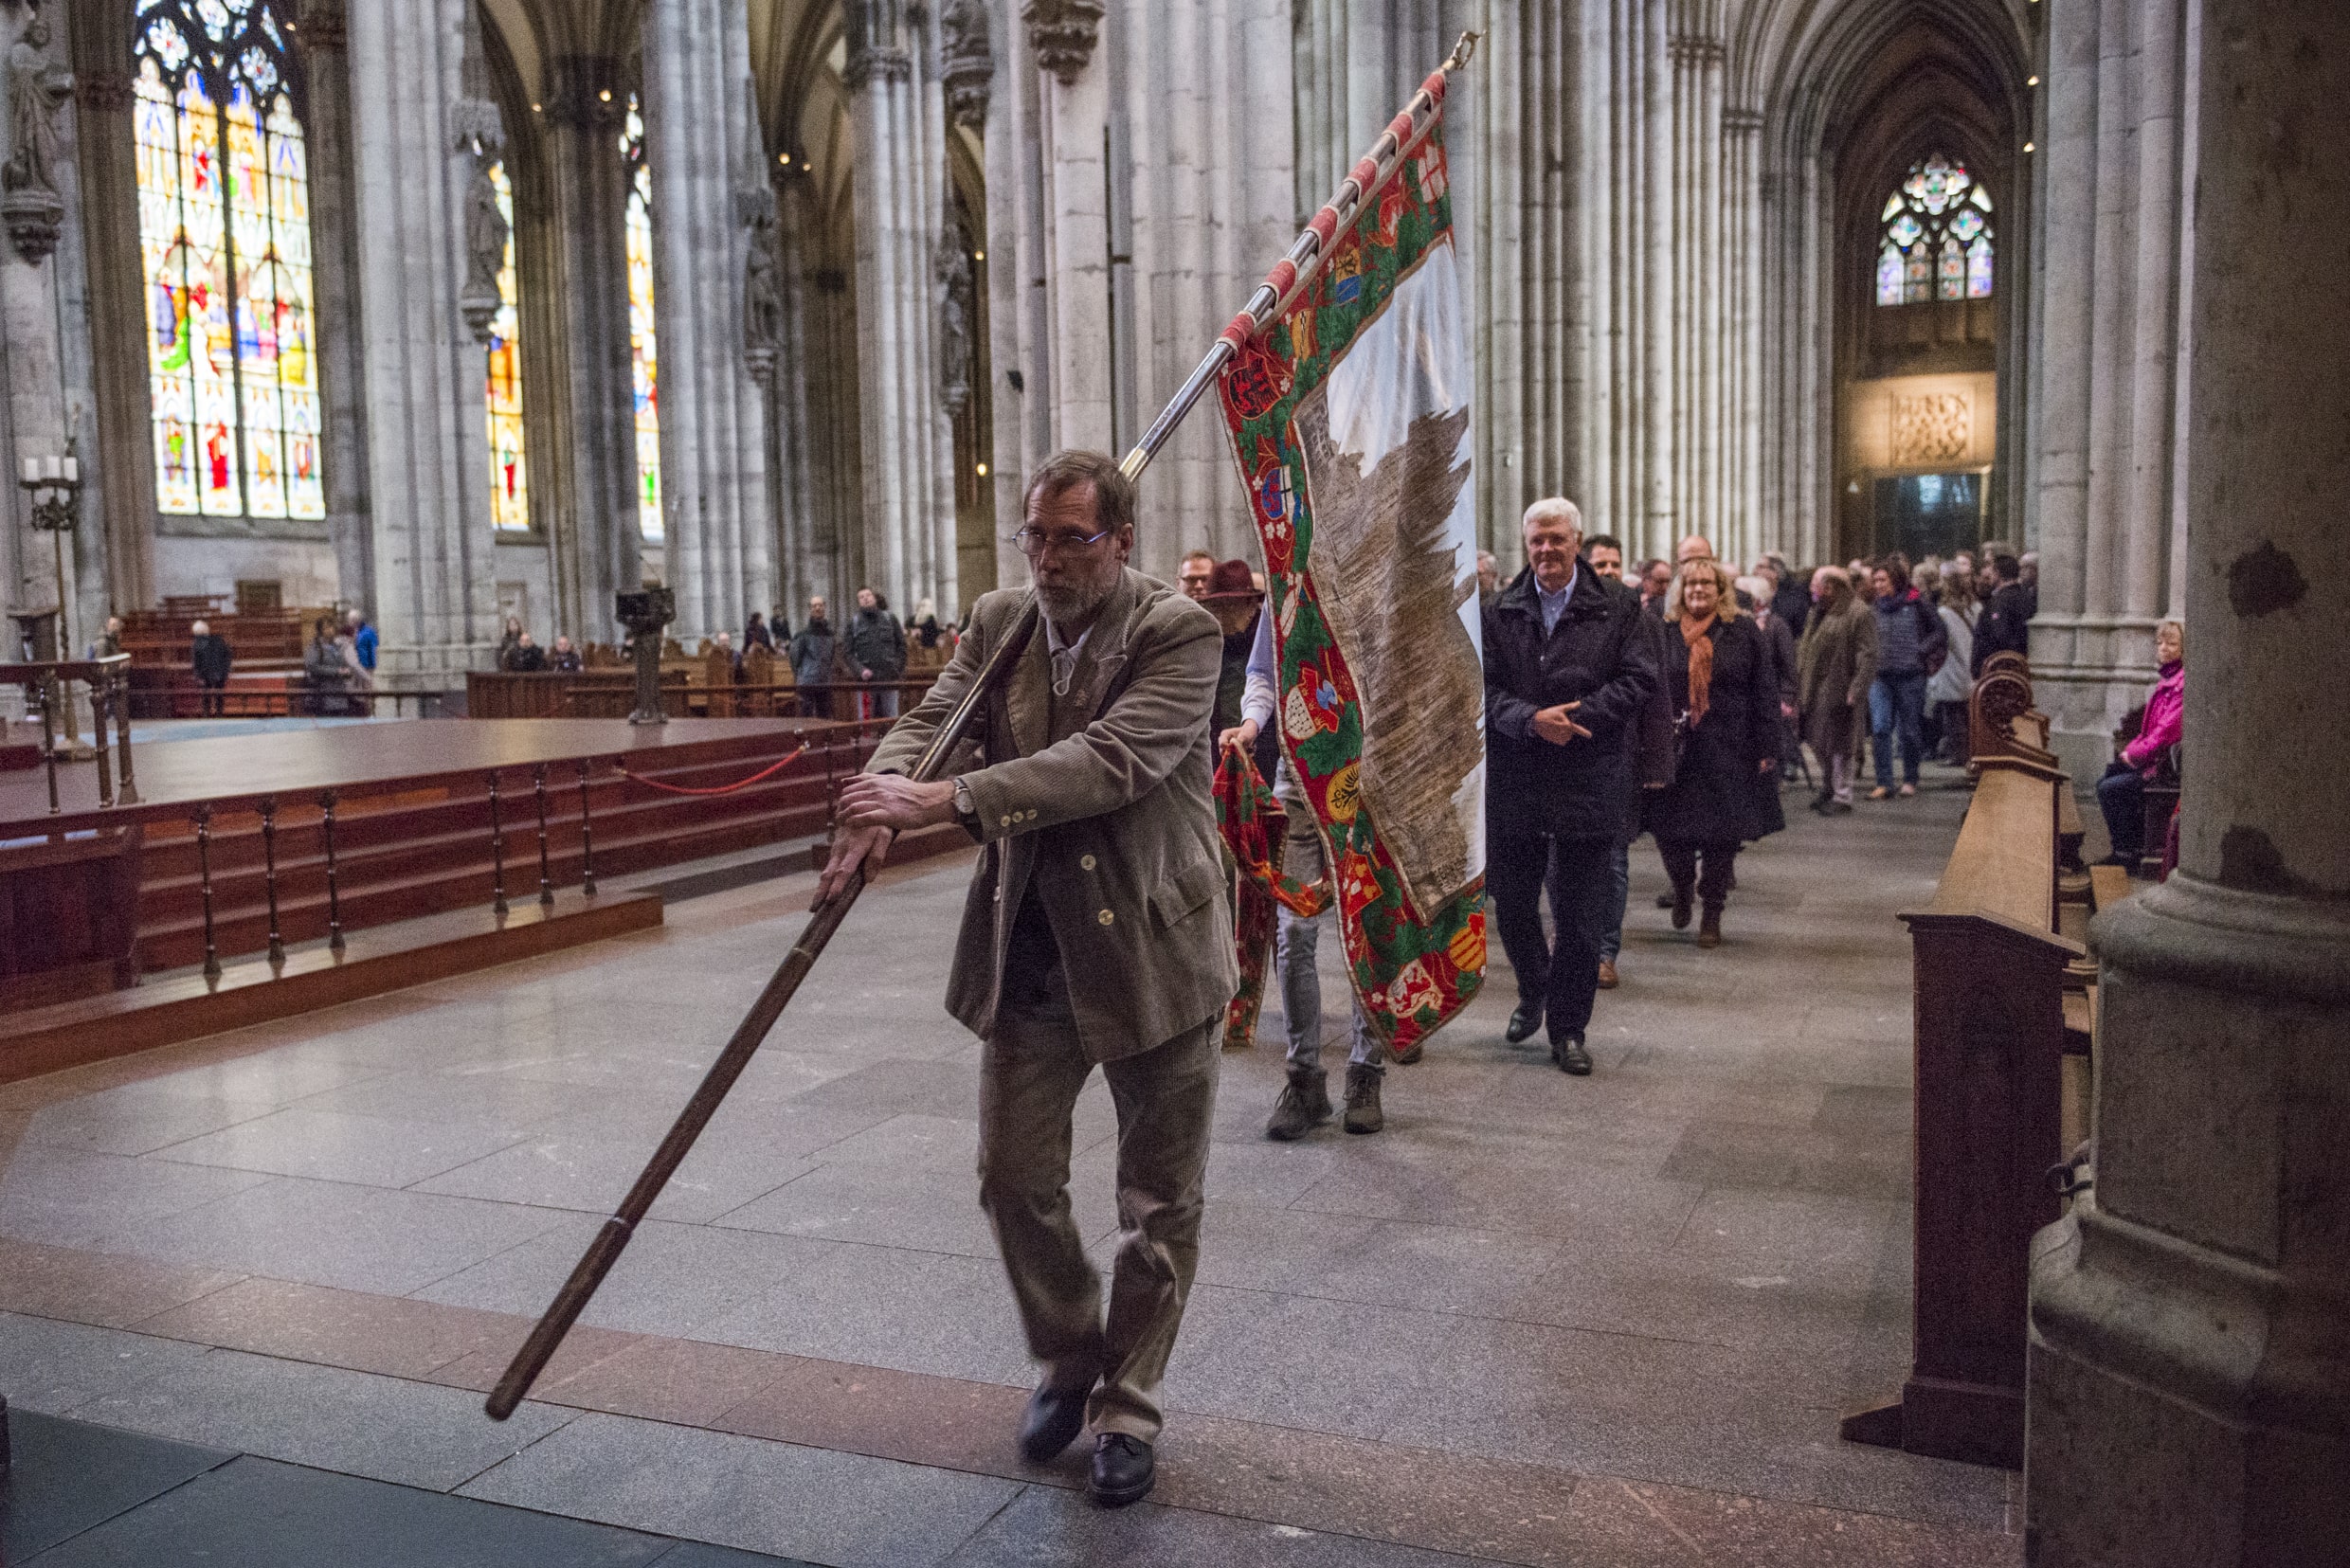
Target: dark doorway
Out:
[1922,514]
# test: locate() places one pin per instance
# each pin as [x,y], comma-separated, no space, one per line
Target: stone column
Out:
[427,440]
[43,302]
[897,117]
[597,545]
[2108,501]
[118,438]
[1073,101]
[1207,105]
[799,570]
[710,194]
[334,275]
[2190,1364]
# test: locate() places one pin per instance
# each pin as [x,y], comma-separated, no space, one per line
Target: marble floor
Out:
[1539,1321]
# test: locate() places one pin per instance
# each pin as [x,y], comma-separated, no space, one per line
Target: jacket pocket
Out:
[1174,900]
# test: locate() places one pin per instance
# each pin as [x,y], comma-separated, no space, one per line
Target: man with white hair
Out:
[1569,666]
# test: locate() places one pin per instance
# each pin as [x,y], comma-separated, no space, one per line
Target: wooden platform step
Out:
[181,1007]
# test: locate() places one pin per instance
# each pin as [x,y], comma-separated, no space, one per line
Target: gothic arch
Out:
[1845,89]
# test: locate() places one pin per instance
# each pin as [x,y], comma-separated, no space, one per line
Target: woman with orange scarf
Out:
[1725,706]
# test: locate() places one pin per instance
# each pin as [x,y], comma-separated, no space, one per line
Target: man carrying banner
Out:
[1568,667]
[1092,798]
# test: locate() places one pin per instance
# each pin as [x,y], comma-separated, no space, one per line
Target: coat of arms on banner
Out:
[1353,438]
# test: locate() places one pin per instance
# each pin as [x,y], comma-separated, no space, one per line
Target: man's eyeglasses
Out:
[1034,543]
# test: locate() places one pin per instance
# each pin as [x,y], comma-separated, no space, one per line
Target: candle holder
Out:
[53,486]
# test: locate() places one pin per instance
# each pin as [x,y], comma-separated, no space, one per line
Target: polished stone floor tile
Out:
[70,1198]
[690,1382]
[593,1174]
[332,1146]
[68,1476]
[55,1367]
[328,1232]
[347,1328]
[122,1121]
[1049,1527]
[672,1279]
[760,1496]
[104,1288]
[258,1514]
[881,1307]
[476,1100]
[354,1422]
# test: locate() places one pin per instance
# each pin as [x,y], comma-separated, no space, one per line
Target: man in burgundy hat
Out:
[1232,597]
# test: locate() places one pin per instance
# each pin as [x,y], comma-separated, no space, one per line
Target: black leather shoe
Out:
[1680,906]
[1571,1056]
[1524,1022]
[1123,1471]
[1050,1423]
[1664,900]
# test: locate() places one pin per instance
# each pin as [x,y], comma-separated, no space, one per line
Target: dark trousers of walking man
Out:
[1556,980]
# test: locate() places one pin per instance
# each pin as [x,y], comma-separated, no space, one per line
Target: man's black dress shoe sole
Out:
[1123,1471]
[1521,1025]
[1050,1424]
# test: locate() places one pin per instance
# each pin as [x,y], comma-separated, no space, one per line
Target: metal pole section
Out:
[605,1249]
[269,880]
[125,792]
[204,878]
[334,890]
[1296,269]
[586,837]
[545,883]
[497,852]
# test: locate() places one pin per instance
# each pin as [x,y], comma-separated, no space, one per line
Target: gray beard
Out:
[1065,604]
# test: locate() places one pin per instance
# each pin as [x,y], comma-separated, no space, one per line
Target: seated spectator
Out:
[2121,793]
[525,658]
[564,659]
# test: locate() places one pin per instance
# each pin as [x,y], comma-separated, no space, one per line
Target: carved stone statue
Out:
[966,61]
[1061,34]
[763,298]
[953,273]
[34,211]
[486,232]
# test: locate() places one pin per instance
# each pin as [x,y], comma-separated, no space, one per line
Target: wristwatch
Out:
[966,809]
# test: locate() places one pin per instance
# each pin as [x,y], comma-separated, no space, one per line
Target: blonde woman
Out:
[1719,675]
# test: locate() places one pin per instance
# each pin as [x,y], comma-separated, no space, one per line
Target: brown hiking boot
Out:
[1363,1112]
[1303,1106]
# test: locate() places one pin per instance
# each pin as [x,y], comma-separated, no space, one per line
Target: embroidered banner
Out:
[1350,418]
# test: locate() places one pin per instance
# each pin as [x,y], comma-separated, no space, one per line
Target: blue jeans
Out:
[1613,942]
[1897,700]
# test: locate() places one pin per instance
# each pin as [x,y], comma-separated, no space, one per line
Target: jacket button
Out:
[1006,820]
[1105,917]
[1085,863]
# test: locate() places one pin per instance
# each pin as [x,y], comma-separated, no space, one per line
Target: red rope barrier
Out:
[722,789]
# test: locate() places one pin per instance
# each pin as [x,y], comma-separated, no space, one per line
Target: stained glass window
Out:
[224,220]
[643,356]
[509,490]
[1935,238]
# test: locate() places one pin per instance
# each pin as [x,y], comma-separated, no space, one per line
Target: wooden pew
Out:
[1992,982]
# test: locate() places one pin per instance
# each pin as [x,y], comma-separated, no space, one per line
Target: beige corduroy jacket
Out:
[1102,798]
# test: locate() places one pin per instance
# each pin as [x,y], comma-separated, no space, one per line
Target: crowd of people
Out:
[1668,697]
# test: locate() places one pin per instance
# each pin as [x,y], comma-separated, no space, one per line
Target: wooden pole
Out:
[605,1249]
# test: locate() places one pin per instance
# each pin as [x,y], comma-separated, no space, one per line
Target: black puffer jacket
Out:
[1720,794]
[1599,655]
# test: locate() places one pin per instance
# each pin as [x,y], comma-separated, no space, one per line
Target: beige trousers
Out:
[1031,1071]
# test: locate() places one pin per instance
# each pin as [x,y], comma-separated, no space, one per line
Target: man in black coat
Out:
[877,647]
[1568,668]
[2006,622]
[210,654]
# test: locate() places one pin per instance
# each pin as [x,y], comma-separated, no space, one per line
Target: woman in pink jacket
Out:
[2123,791]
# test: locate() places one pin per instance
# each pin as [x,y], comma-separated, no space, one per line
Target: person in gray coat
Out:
[1095,933]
